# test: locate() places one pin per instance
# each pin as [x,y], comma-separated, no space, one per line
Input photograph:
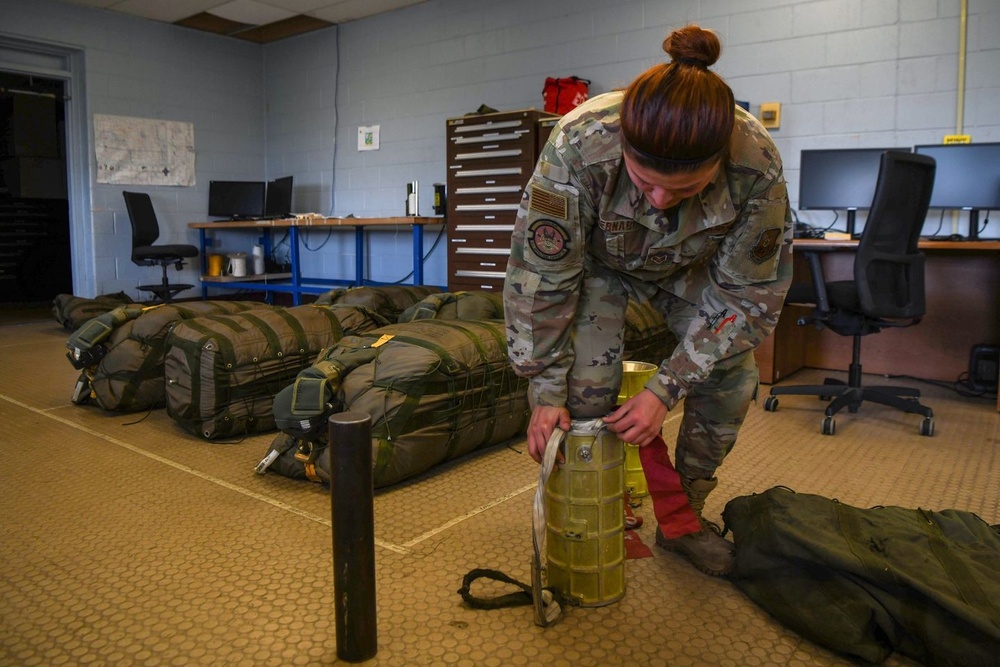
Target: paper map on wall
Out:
[144,151]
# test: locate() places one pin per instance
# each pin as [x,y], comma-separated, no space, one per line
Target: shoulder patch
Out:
[767,244]
[549,203]
[548,239]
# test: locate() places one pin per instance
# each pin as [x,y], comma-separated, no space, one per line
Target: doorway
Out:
[35,256]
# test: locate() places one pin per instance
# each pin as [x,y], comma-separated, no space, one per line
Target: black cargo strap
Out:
[522,598]
[546,602]
[518,599]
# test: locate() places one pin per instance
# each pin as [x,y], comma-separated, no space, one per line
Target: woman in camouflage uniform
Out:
[665,192]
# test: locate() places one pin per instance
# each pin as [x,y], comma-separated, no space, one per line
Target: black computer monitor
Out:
[236,199]
[967,175]
[840,179]
[278,201]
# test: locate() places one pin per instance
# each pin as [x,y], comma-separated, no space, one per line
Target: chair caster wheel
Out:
[927,427]
[771,404]
[829,426]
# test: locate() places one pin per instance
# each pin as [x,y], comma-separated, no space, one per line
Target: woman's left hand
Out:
[639,419]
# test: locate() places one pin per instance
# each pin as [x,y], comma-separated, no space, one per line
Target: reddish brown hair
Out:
[679,116]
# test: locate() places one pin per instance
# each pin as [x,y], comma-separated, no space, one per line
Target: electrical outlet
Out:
[770,115]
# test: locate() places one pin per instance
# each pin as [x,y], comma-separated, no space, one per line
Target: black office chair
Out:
[887,289]
[145,231]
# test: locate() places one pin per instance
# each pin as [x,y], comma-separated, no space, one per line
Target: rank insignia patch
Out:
[767,244]
[548,239]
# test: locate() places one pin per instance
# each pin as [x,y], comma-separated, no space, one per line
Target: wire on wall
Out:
[336,119]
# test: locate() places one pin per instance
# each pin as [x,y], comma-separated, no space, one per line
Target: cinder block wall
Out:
[847,73]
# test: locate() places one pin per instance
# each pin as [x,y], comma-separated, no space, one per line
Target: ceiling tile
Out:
[251,11]
[163,11]
[300,6]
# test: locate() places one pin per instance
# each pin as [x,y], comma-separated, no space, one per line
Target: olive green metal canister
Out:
[635,375]
[585,516]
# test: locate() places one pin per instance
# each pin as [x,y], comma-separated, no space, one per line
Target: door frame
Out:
[65,63]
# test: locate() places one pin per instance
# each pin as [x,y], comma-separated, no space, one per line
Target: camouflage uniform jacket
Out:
[726,250]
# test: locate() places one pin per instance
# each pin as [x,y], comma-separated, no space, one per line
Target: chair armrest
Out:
[818,280]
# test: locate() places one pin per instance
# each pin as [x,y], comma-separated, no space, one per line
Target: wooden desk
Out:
[293,281]
[962,286]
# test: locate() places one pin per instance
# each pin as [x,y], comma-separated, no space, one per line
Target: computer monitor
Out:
[278,201]
[967,175]
[840,179]
[236,199]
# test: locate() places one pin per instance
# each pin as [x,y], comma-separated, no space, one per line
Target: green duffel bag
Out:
[462,305]
[120,353]
[389,301]
[870,582]
[222,371]
[435,389]
[72,311]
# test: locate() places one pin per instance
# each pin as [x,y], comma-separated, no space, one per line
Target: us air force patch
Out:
[767,244]
[548,239]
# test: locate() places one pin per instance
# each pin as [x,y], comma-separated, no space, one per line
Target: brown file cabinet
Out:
[490,158]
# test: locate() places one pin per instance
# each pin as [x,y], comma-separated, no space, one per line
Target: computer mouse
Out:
[956,237]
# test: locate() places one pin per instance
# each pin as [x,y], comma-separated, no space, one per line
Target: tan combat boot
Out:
[707,549]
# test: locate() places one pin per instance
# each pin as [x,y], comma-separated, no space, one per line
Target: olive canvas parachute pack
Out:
[435,390]
[222,371]
[120,353]
[72,311]
[389,301]
[647,336]
[870,582]
[461,305]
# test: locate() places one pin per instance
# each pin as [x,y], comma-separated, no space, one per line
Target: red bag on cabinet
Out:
[563,95]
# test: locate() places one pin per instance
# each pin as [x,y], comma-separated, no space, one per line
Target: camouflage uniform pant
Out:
[713,410]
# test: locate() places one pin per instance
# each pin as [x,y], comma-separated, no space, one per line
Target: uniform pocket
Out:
[753,255]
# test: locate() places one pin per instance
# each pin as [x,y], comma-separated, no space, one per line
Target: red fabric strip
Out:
[670,503]
[634,546]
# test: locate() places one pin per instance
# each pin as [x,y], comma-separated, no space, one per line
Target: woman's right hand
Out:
[544,420]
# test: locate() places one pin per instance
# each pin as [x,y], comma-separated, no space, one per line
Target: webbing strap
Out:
[518,599]
[547,609]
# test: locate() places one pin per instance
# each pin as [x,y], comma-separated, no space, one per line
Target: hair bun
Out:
[692,45]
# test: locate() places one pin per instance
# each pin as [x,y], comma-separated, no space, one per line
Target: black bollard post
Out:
[353,511]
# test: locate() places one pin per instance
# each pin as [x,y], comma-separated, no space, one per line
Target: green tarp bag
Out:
[868,582]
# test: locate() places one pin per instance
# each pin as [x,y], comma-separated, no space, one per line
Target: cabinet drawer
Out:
[478,262]
[545,126]
[464,176]
[479,274]
[487,241]
[458,283]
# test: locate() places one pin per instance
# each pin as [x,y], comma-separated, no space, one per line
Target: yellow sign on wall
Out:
[957,139]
